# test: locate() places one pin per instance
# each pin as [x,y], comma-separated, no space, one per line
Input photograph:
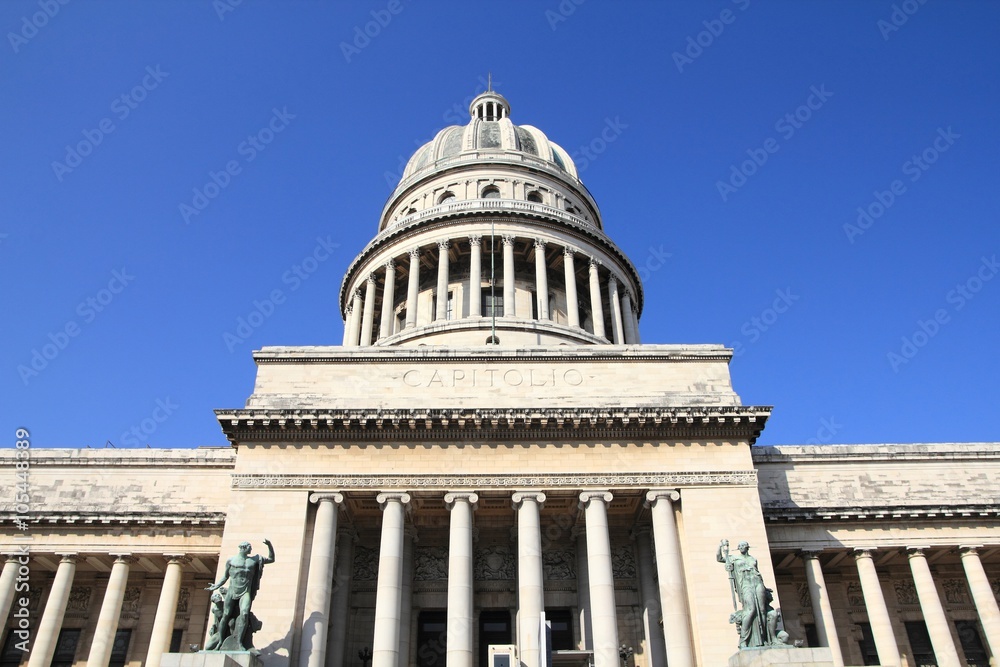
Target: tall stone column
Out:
[111,609]
[634,313]
[982,595]
[670,567]
[826,630]
[347,325]
[52,618]
[541,280]
[406,597]
[530,598]
[596,309]
[461,651]
[878,613]
[602,579]
[340,606]
[627,318]
[930,606]
[8,582]
[388,599]
[413,288]
[368,319]
[617,332]
[319,583]
[166,610]
[508,276]
[572,303]
[388,300]
[442,282]
[475,276]
[583,589]
[355,321]
[656,649]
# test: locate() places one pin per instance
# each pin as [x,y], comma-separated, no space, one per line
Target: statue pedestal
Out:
[785,657]
[211,659]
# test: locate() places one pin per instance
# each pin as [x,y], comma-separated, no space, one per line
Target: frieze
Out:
[494,563]
[34,598]
[365,564]
[906,592]
[430,564]
[79,600]
[623,562]
[855,595]
[183,601]
[955,591]
[130,603]
[559,564]
[805,598]
[447,482]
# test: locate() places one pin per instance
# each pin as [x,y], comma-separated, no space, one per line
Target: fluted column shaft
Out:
[982,595]
[508,276]
[368,320]
[602,579]
[617,332]
[44,646]
[596,309]
[530,598]
[670,567]
[354,323]
[388,300]
[8,582]
[460,613]
[339,607]
[412,288]
[583,591]
[442,282]
[475,276]
[627,319]
[541,280]
[166,610]
[930,606]
[388,599]
[572,304]
[111,609]
[826,630]
[878,613]
[656,649]
[319,583]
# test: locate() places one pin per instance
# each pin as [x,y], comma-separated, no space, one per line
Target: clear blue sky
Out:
[95,241]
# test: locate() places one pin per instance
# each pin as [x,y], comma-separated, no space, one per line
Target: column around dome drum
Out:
[441,313]
[475,275]
[616,311]
[508,276]
[388,300]
[572,305]
[412,288]
[541,280]
[596,309]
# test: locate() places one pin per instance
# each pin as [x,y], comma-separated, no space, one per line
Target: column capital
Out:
[810,554]
[568,252]
[356,294]
[333,496]
[126,558]
[508,240]
[414,253]
[653,495]
[540,243]
[476,240]
[179,559]
[386,497]
[916,552]
[969,549]
[371,277]
[389,264]
[587,496]
[594,262]
[444,245]
[69,558]
[350,307]
[453,497]
[612,280]
[863,552]
[520,496]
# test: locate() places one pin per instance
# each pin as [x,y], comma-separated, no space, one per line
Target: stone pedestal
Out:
[786,657]
[211,659]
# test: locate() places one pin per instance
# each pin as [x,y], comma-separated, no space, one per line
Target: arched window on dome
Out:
[446,197]
[490,192]
[535,196]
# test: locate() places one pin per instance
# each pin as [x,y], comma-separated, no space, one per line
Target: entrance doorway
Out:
[494,628]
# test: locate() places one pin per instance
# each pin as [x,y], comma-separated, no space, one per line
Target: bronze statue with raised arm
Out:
[235,622]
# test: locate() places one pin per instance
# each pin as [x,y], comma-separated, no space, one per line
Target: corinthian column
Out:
[388,599]
[530,598]
[508,276]
[596,309]
[166,610]
[388,300]
[460,619]
[52,618]
[541,280]
[822,611]
[930,606]
[354,323]
[878,613]
[673,593]
[655,648]
[412,288]
[315,611]
[111,609]
[368,320]
[627,317]
[475,276]
[442,282]
[982,595]
[616,311]
[572,305]
[602,578]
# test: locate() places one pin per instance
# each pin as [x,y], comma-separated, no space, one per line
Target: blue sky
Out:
[748,135]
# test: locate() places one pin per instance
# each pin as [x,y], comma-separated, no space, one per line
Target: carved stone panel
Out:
[559,564]
[855,596]
[79,600]
[955,591]
[430,564]
[130,603]
[365,564]
[495,563]
[805,599]
[183,601]
[623,562]
[906,592]
[34,598]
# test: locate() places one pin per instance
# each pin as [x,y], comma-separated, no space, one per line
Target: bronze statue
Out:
[757,621]
[234,623]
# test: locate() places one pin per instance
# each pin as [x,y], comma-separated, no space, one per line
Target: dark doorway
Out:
[432,638]
[494,628]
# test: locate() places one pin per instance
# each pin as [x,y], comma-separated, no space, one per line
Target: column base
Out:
[786,657]
[211,659]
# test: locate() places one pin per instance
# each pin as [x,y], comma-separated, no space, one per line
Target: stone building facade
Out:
[491,447]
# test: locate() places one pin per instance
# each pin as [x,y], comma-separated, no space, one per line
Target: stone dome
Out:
[490,135]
